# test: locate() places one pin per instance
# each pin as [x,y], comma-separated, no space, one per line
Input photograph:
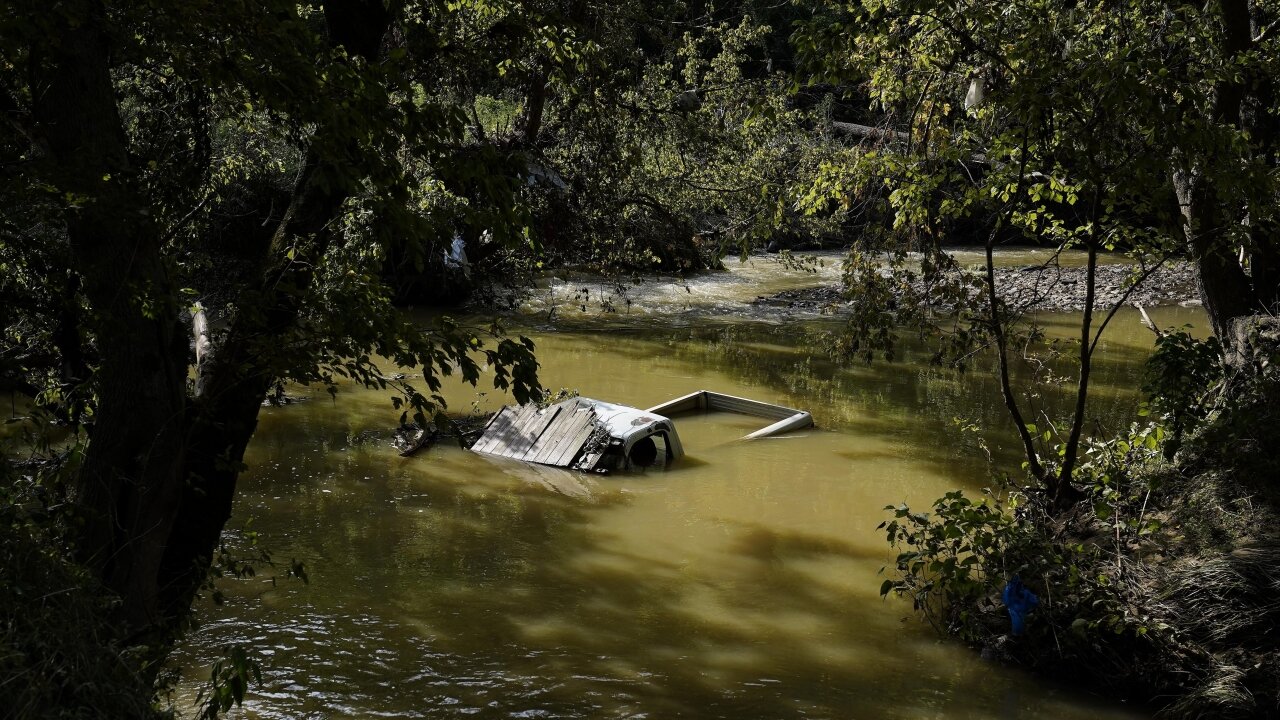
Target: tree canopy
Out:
[1075,126]
[262,161]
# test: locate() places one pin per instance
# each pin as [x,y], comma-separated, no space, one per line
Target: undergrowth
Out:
[1163,585]
[60,655]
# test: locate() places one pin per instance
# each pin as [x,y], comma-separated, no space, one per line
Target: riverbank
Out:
[1179,608]
[1160,586]
[1038,287]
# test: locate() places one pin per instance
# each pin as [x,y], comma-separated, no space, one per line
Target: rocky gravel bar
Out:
[1039,287]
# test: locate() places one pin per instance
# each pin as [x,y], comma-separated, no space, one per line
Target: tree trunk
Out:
[159,475]
[1225,288]
[240,371]
[130,483]
[1002,357]
[1061,492]
[234,383]
[535,105]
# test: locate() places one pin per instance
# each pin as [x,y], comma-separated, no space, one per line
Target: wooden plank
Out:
[539,428]
[520,437]
[553,436]
[484,433]
[504,428]
[575,447]
[492,430]
[510,439]
[570,449]
[501,430]
[565,432]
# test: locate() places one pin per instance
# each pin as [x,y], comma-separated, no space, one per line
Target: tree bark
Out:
[233,385]
[1062,493]
[158,479]
[130,482]
[1225,288]
[1002,356]
[535,105]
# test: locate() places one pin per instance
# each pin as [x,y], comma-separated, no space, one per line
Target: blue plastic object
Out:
[1020,602]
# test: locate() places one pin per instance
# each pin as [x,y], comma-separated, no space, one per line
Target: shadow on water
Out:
[520,604]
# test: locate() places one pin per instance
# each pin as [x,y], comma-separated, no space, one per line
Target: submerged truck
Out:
[597,436]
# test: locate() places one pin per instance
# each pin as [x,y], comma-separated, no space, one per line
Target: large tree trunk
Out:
[1224,286]
[233,386]
[235,381]
[158,479]
[130,482]
[1226,289]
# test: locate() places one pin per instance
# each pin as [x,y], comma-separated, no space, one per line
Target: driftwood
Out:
[558,435]
[868,131]
[1148,322]
[409,439]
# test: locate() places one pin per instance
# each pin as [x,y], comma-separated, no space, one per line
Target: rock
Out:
[1038,287]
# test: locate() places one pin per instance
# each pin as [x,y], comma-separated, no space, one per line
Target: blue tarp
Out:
[1020,602]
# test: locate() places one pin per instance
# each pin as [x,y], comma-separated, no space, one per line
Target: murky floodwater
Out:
[740,583]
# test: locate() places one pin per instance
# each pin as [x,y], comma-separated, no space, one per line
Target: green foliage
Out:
[1049,123]
[954,562]
[1039,122]
[61,654]
[1160,582]
[218,148]
[1117,477]
[676,144]
[228,680]
[1179,378]
[894,292]
[1060,124]
[948,559]
[276,163]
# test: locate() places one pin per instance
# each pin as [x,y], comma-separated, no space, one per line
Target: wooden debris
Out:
[548,436]
[409,439]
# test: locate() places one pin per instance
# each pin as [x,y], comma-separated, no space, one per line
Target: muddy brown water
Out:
[740,583]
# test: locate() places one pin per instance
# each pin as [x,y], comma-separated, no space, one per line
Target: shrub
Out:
[60,655]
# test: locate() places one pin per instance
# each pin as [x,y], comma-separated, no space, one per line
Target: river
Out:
[740,583]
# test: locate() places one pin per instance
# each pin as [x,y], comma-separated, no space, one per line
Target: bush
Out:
[59,654]
[1162,583]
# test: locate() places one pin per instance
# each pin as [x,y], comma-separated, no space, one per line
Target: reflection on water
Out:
[740,583]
